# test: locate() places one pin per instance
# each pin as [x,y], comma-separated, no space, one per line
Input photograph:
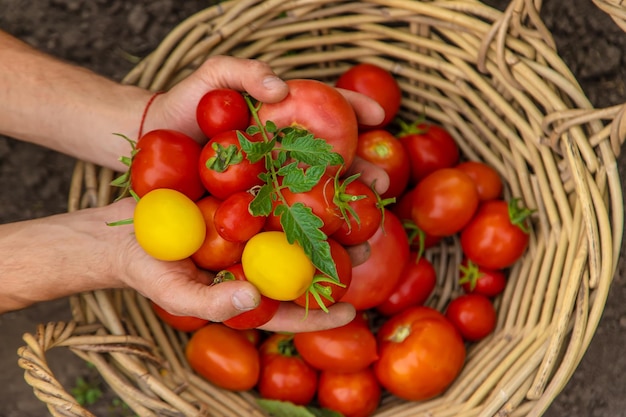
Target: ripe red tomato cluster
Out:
[397,342]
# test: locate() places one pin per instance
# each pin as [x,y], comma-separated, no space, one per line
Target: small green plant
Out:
[86,391]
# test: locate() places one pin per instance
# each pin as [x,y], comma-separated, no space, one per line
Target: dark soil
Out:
[109,36]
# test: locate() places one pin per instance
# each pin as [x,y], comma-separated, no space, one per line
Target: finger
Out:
[368,111]
[291,318]
[252,76]
[371,174]
[215,303]
[359,253]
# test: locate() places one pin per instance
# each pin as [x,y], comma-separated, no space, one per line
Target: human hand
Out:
[187,290]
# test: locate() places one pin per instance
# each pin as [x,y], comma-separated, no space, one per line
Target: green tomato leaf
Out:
[302,226]
[324,412]
[255,151]
[278,408]
[305,147]
[283,408]
[262,203]
[298,180]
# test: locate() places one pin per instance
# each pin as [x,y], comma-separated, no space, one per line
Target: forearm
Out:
[49,258]
[64,107]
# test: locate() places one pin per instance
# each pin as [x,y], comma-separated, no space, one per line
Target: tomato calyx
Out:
[286,347]
[317,291]
[470,274]
[518,214]
[418,127]
[123,181]
[224,157]
[414,232]
[400,334]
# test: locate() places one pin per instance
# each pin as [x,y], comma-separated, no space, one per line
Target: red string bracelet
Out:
[145,112]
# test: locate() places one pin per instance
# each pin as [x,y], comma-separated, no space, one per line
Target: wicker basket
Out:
[495,81]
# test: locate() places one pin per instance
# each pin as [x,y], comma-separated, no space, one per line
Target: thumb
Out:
[211,302]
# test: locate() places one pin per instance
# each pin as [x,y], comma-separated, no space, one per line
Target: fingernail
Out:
[244,300]
[272,82]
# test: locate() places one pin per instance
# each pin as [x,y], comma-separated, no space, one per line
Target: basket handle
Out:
[522,19]
[87,342]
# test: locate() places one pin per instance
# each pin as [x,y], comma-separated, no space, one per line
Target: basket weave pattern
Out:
[494,80]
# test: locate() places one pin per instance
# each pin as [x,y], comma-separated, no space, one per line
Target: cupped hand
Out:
[185,290]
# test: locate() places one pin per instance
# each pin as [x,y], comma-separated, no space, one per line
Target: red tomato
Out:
[383,149]
[320,199]
[224,356]
[216,253]
[285,376]
[473,315]
[321,110]
[417,283]
[166,159]
[487,180]
[477,280]
[421,354]
[221,110]
[181,323]
[378,84]
[353,394]
[224,168]
[364,203]
[418,239]
[324,290]
[497,236]
[256,317]
[347,348]
[430,147]
[233,219]
[374,280]
[444,202]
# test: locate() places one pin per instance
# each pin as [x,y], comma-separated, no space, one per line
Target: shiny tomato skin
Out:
[430,148]
[378,84]
[240,176]
[477,280]
[353,394]
[374,280]
[370,216]
[383,149]
[347,348]
[233,219]
[166,159]
[444,202]
[343,263]
[256,317]
[285,376]
[421,354]
[216,253]
[320,199]
[416,285]
[487,180]
[490,239]
[224,357]
[473,315]
[220,110]
[321,110]
[186,324]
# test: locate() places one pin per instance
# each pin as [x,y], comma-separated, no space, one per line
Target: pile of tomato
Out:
[271,199]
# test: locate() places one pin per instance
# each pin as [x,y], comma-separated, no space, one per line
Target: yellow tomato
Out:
[168,225]
[278,269]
